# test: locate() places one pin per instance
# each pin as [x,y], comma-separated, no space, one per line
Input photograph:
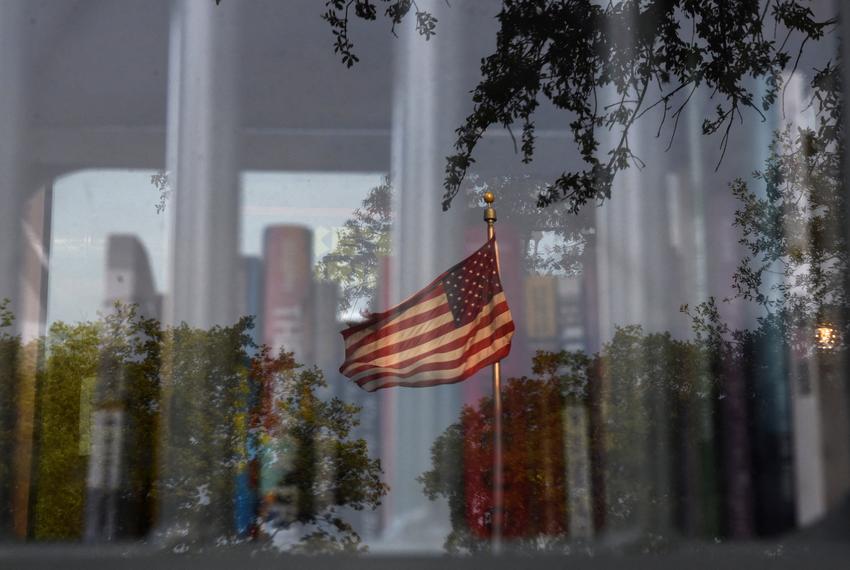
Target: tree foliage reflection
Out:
[661,421]
[229,404]
[652,55]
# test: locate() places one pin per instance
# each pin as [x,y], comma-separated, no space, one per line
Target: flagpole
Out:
[498,491]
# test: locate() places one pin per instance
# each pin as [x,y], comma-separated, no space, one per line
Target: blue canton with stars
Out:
[471,284]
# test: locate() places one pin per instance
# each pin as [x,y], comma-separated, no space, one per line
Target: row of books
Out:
[751,455]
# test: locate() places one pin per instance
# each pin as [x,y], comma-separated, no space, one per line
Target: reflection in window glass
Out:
[95,212]
[290,199]
[189,220]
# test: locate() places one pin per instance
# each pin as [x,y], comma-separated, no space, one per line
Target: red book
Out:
[287,322]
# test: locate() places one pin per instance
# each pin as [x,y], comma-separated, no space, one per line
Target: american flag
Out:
[445,333]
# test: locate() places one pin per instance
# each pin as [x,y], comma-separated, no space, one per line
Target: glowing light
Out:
[826,336]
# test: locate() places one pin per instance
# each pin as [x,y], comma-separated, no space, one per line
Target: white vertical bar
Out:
[13,88]
[202,160]
[427,95]
[203,118]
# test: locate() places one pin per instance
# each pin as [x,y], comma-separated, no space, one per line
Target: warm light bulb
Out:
[825,336]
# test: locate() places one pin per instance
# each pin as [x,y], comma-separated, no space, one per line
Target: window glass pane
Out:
[90,211]
[394,278]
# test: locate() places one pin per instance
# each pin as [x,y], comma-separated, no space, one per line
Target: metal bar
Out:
[498,475]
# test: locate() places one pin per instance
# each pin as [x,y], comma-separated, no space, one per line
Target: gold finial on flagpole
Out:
[489,213]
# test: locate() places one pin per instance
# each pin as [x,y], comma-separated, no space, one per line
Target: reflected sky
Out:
[90,205]
[322,201]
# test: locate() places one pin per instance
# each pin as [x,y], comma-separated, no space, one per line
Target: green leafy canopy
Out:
[651,54]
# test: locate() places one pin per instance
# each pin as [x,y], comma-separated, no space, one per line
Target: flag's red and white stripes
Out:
[445,333]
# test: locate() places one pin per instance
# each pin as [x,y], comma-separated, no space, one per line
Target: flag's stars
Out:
[471,285]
